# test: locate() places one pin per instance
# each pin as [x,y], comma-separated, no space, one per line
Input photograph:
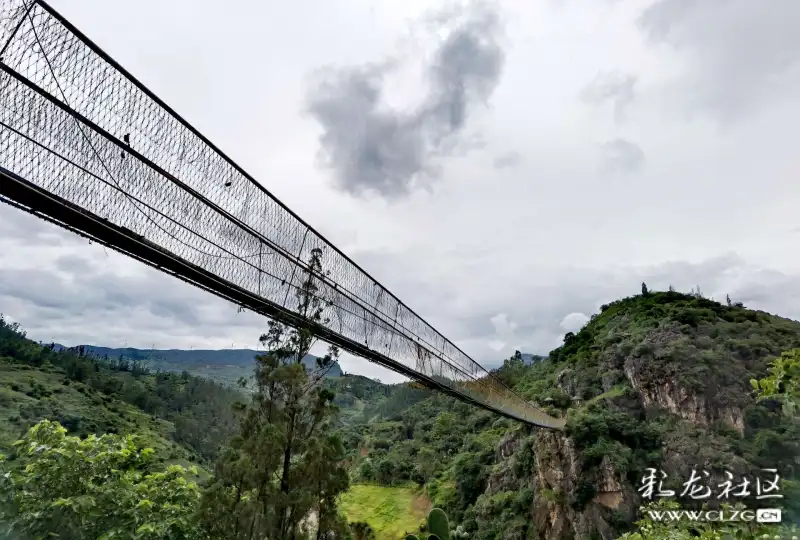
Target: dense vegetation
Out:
[279,464]
[102,487]
[188,416]
[608,380]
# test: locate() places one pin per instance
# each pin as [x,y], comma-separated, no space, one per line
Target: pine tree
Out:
[283,470]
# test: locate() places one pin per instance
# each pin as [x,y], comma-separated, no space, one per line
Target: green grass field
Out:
[390,511]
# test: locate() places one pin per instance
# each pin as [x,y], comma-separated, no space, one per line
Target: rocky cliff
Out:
[654,381]
[657,381]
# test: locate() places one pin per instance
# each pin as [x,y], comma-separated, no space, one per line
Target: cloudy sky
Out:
[504,168]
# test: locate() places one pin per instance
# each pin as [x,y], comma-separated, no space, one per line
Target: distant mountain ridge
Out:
[223,364]
[532,358]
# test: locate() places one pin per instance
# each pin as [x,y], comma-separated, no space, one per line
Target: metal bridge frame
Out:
[25,194]
[18,192]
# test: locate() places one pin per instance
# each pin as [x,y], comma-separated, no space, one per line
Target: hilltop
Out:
[658,380]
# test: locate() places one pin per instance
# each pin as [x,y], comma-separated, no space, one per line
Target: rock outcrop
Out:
[660,374]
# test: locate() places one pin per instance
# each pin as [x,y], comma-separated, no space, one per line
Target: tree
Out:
[284,469]
[384,473]
[426,463]
[783,382]
[512,369]
[365,470]
[362,531]
[97,487]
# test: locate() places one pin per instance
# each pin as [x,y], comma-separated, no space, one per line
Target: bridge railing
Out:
[75,123]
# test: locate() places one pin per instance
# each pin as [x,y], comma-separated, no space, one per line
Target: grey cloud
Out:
[739,54]
[400,275]
[768,290]
[19,227]
[74,264]
[79,303]
[370,147]
[173,311]
[466,69]
[526,312]
[84,291]
[507,161]
[622,156]
[534,306]
[616,87]
[367,148]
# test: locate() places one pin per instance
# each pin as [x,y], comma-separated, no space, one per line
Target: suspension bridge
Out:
[85,145]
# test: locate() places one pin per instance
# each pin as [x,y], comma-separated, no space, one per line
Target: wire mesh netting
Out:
[75,124]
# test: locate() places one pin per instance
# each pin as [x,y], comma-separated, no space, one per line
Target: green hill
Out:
[185,418]
[658,380]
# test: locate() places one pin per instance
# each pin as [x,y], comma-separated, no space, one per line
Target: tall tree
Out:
[280,477]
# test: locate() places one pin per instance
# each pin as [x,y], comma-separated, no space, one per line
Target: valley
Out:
[226,366]
[659,380]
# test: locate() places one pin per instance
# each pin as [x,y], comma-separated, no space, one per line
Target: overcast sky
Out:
[503,168]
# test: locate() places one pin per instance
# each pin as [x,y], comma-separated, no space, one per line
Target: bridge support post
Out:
[260,265]
[294,268]
[394,329]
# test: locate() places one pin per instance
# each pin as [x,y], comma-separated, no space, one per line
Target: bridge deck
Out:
[85,145]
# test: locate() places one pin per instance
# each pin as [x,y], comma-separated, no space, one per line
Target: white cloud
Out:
[496,346]
[616,87]
[620,155]
[574,322]
[502,325]
[736,56]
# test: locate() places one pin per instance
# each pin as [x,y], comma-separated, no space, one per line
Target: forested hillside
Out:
[224,365]
[187,417]
[660,380]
